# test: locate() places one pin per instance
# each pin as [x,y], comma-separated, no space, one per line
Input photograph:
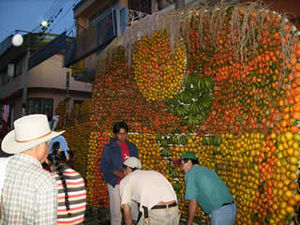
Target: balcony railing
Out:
[100,34]
[134,15]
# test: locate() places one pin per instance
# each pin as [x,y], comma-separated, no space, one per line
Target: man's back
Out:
[207,188]
[29,193]
[146,187]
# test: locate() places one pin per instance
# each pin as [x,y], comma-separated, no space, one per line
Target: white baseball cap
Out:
[133,162]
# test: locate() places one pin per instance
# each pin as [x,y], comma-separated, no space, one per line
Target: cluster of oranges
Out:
[116,97]
[247,87]
[255,114]
[61,111]
[77,137]
[97,194]
[158,69]
[148,149]
[78,128]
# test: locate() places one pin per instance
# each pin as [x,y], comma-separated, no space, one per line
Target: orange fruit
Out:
[297,197]
[290,209]
[288,194]
[293,160]
[290,151]
[292,202]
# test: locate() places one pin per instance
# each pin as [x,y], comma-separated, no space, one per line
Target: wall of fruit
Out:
[78,128]
[221,82]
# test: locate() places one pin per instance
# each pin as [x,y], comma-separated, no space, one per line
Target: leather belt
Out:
[228,203]
[164,206]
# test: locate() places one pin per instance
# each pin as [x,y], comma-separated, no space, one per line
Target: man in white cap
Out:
[29,193]
[152,191]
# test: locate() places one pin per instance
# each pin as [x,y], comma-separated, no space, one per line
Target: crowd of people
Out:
[55,193]
[29,193]
[147,197]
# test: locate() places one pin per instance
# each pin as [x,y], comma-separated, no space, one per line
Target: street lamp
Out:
[17,40]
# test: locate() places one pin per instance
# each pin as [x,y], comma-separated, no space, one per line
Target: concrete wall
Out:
[51,74]
[46,80]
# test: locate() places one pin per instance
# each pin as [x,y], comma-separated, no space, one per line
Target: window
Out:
[41,105]
[19,68]
[5,79]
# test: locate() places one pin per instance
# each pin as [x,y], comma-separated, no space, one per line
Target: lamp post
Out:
[17,40]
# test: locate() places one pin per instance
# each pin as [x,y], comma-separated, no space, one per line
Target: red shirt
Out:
[125,154]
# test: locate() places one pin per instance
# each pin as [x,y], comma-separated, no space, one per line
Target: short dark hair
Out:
[194,161]
[119,125]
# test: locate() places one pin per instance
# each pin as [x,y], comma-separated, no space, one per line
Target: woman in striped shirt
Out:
[71,188]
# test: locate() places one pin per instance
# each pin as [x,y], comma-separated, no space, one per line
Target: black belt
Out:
[164,206]
[228,203]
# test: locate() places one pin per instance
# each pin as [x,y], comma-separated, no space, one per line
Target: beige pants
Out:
[167,216]
[115,206]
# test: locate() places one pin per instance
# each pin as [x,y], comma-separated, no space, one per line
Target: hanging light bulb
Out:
[44,24]
[17,40]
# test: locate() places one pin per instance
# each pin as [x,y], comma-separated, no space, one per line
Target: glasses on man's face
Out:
[124,167]
[183,161]
[47,143]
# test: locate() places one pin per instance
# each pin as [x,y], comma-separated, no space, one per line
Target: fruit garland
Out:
[61,111]
[77,137]
[116,97]
[85,111]
[252,95]
[158,69]
[246,88]
[73,116]
[254,116]
[96,187]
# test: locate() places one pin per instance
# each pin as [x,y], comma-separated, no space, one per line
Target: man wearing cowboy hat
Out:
[29,193]
[152,191]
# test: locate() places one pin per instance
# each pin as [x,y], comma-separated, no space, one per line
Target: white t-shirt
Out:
[147,188]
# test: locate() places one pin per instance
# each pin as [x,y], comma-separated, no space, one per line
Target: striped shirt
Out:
[29,193]
[77,198]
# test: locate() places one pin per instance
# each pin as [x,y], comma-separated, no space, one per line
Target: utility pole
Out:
[179,4]
[24,96]
[67,96]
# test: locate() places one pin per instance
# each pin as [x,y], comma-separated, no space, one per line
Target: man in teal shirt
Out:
[205,187]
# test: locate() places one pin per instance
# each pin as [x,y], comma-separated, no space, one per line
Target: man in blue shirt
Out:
[114,155]
[205,187]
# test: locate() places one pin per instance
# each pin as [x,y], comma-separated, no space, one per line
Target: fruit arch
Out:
[221,82]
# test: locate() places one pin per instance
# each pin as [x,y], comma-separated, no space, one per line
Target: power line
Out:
[64,15]
[53,8]
[61,18]
[70,30]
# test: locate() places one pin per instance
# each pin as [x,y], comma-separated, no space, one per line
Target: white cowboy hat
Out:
[29,132]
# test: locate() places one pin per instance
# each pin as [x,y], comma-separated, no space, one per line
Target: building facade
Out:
[43,84]
[99,22]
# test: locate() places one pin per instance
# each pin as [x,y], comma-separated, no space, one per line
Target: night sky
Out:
[28,14]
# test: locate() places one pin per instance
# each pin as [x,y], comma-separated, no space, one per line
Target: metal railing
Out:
[135,15]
